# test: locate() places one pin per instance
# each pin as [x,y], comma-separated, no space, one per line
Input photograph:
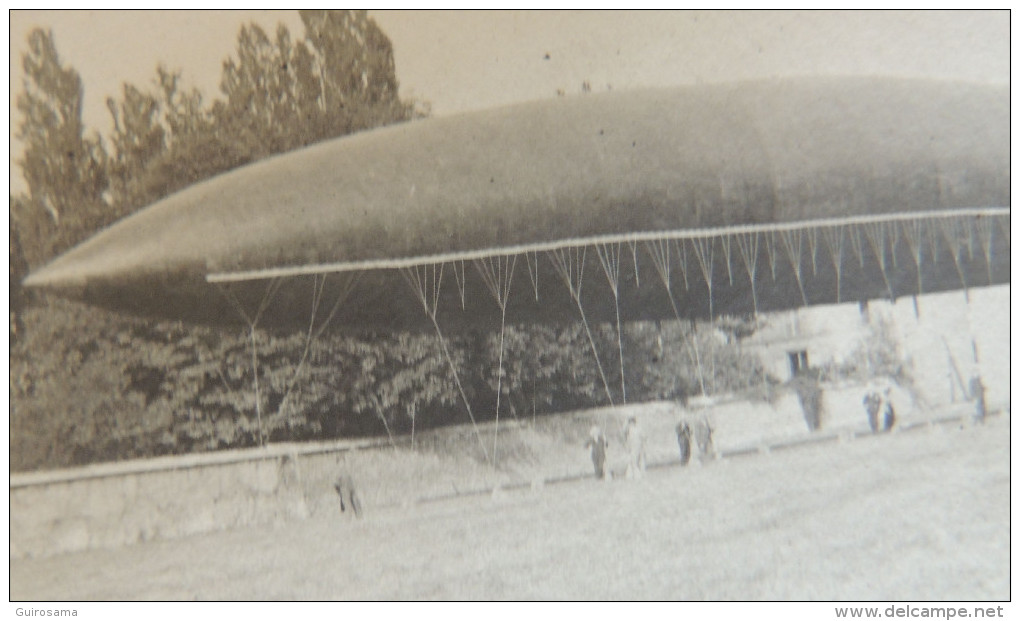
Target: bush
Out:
[88,385]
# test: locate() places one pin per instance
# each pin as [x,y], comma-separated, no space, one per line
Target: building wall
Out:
[952,337]
[946,340]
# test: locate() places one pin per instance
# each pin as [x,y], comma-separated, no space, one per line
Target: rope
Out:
[498,274]
[609,258]
[834,238]
[569,264]
[703,250]
[425,282]
[748,245]
[953,233]
[912,235]
[794,254]
[876,234]
[660,259]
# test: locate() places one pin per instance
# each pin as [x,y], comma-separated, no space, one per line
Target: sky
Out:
[460,61]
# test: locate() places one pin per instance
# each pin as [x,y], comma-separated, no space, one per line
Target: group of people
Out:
[688,435]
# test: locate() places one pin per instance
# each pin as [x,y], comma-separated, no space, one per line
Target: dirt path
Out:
[922,515]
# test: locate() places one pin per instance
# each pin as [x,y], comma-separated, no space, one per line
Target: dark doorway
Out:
[798,361]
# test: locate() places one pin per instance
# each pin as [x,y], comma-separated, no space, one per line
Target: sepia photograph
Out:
[407,305]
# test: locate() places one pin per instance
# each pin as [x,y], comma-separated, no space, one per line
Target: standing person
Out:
[977,392]
[598,444]
[888,414]
[872,404]
[349,499]
[635,441]
[703,437]
[683,438]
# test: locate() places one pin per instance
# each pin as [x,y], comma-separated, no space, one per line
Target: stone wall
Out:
[110,505]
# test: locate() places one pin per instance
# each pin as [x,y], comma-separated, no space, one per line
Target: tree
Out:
[18,267]
[259,86]
[281,95]
[356,57]
[65,169]
[153,135]
[138,138]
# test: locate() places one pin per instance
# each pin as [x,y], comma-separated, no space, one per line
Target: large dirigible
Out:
[684,202]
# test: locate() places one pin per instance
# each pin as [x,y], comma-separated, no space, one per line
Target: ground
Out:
[917,515]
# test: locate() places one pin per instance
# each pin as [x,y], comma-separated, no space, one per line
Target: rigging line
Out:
[660,259]
[509,280]
[342,295]
[747,243]
[1003,221]
[985,236]
[532,275]
[255,371]
[912,234]
[854,232]
[834,239]
[461,280]
[497,274]
[501,276]
[426,289]
[770,252]
[234,302]
[793,254]
[725,242]
[499,384]
[507,277]
[437,283]
[876,238]
[569,263]
[564,266]
[894,240]
[951,231]
[634,253]
[410,275]
[659,251]
[419,288]
[317,289]
[933,241]
[274,286]
[812,237]
[484,268]
[970,226]
[413,277]
[704,250]
[609,257]
[460,387]
[694,357]
[681,255]
[254,347]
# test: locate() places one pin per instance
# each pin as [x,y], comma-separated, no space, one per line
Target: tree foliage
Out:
[277,95]
[65,169]
[88,385]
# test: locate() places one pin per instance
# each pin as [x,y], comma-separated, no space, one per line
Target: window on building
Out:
[798,361]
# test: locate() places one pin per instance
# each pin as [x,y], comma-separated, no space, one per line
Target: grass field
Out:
[918,515]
